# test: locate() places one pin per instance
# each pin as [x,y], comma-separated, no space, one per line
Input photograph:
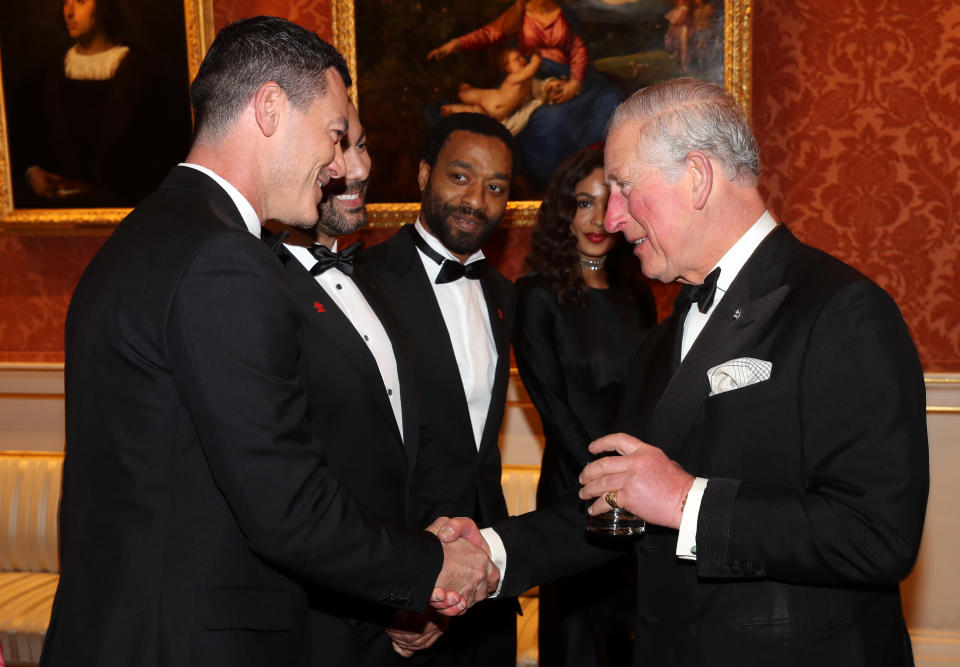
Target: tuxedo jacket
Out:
[818,477]
[198,504]
[350,410]
[453,477]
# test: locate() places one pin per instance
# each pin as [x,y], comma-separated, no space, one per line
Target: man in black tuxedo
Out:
[197,501]
[774,434]
[459,311]
[368,412]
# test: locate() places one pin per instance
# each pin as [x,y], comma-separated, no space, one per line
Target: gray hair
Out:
[247,54]
[683,115]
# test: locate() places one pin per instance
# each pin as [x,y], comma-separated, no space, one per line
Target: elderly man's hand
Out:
[468,575]
[647,483]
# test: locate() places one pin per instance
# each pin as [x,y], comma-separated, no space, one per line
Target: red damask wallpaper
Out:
[856,109]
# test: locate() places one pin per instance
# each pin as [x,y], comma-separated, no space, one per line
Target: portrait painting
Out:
[552,71]
[95,103]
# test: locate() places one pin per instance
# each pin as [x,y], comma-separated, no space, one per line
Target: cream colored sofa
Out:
[29,498]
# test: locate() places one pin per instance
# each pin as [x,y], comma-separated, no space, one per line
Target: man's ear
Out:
[423,176]
[700,170]
[269,105]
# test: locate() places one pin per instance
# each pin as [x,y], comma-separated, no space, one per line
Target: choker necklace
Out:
[592,263]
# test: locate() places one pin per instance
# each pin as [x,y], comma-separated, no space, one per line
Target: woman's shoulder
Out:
[534,286]
[531,282]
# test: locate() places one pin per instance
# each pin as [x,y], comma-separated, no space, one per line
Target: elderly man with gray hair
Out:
[773,432]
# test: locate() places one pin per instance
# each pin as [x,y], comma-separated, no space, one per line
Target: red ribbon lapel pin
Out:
[317,306]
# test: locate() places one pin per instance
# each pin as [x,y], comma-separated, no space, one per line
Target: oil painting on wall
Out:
[95,101]
[551,71]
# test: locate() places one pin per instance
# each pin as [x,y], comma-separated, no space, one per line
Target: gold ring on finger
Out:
[611,498]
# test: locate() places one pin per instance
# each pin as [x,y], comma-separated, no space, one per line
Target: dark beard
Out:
[435,212]
[332,220]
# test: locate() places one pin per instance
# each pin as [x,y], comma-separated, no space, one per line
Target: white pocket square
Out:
[738,373]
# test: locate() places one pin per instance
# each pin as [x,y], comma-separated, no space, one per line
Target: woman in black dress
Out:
[581,313]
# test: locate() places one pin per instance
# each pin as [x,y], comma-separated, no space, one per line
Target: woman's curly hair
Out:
[553,247]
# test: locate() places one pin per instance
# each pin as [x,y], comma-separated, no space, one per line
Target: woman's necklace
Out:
[592,263]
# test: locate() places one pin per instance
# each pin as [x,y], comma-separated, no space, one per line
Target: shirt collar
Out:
[434,243]
[304,255]
[738,254]
[250,218]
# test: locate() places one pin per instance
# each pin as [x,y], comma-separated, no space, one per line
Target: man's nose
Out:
[615,214]
[337,167]
[473,195]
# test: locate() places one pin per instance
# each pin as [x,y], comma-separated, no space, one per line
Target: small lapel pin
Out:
[737,313]
[500,313]
[317,306]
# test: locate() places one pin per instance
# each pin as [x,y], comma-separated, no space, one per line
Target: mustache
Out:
[340,187]
[467,211]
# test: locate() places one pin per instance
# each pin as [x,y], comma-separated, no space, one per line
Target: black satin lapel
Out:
[729,332]
[325,314]
[494,301]
[649,373]
[403,352]
[501,340]
[428,325]
[425,321]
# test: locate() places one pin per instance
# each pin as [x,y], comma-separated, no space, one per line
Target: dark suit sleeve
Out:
[535,347]
[857,516]
[551,543]
[233,338]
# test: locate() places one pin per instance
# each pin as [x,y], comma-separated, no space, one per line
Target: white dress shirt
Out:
[465,314]
[355,307]
[730,265]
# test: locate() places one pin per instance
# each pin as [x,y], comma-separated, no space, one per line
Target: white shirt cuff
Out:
[498,554]
[687,540]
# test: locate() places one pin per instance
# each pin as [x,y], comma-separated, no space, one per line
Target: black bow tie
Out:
[328,259]
[449,269]
[702,294]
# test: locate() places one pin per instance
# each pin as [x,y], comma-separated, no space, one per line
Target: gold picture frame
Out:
[198,26]
[737,76]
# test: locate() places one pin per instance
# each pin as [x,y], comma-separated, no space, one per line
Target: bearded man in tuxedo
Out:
[459,311]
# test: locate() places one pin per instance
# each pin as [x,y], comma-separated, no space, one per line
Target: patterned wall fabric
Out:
[856,109]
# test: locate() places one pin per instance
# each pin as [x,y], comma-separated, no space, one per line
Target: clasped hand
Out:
[468,574]
[648,483]
[467,577]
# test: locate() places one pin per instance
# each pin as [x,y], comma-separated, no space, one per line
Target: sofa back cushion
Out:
[29,499]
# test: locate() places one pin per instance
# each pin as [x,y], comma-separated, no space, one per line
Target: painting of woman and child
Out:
[551,71]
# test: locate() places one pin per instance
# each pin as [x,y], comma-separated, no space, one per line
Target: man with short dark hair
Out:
[197,503]
[459,311]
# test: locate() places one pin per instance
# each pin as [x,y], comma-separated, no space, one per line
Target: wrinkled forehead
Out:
[621,151]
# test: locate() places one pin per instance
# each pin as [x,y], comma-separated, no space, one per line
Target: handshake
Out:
[467,577]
